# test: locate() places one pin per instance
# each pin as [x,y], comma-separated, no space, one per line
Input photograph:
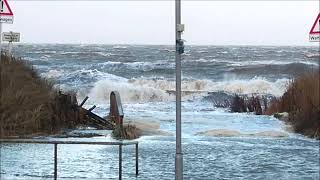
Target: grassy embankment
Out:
[29,104]
[301,101]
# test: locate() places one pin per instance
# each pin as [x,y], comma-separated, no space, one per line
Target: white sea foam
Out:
[53,74]
[269,62]
[104,54]
[147,66]
[119,47]
[252,86]
[96,74]
[44,52]
[129,92]
[147,90]
[110,63]
[233,133]
[250,63]
[45,57]
[68,52]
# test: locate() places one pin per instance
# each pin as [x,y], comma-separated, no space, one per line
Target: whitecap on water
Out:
[53,73]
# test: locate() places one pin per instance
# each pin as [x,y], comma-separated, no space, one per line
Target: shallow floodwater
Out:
[143,75]
[242,157]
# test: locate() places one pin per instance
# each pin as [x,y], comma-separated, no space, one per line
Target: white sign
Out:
[314,35]
[11,36]
[6,15]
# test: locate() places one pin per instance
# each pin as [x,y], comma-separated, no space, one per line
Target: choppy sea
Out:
[144,75]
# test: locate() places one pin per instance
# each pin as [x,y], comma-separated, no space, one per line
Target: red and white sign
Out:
[6,15]
[314,35]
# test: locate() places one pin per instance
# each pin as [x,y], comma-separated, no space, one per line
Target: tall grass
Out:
[29,104]
[301,101]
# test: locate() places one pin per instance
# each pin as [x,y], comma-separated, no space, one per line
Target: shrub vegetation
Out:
[301,101]
[126,131]
[29,104]
[256,104]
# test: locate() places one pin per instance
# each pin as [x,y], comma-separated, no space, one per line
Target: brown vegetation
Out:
[125,132]
[246,104]
[301,101]
[29,104]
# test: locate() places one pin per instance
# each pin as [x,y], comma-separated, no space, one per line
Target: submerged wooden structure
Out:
[114,118]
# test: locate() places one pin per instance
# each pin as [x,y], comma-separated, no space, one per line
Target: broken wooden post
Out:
[116,111]
[92,108]
[84,101]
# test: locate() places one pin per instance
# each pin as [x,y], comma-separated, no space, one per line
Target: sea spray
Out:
[129,92]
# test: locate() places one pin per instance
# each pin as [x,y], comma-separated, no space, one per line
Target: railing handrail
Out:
[56,142]
[45,141]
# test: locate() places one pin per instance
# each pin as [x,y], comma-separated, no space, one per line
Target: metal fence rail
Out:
[56,142]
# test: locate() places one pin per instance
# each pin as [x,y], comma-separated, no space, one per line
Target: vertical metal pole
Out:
[137,159]
[178,158]
[9,48]
[120,162]
[0,38]
[55,162]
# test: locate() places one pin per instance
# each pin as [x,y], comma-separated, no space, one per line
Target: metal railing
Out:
[56,142]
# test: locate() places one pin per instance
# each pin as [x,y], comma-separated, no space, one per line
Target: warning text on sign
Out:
[314,37]
[6,19]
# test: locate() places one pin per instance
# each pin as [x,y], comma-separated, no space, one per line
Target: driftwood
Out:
[84,101]
[91,119]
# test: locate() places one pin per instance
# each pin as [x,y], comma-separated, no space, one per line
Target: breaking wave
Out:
[252,86]
[151,90]
[129,92]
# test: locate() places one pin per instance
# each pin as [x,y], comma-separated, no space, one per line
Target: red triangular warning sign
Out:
[5,8]
[316,27]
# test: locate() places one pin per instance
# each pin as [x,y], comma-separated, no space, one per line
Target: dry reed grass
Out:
[301,101]
[29,103]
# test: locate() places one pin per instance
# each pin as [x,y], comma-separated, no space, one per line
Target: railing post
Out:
[120,162]
[55,162]
[137,159]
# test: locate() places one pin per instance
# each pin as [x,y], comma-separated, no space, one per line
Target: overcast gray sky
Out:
[143,22]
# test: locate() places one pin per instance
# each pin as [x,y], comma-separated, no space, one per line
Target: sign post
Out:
[6,16]
[10,37]
[179,50]
[314,35]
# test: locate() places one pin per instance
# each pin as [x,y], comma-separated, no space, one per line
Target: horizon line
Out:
[312,44]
